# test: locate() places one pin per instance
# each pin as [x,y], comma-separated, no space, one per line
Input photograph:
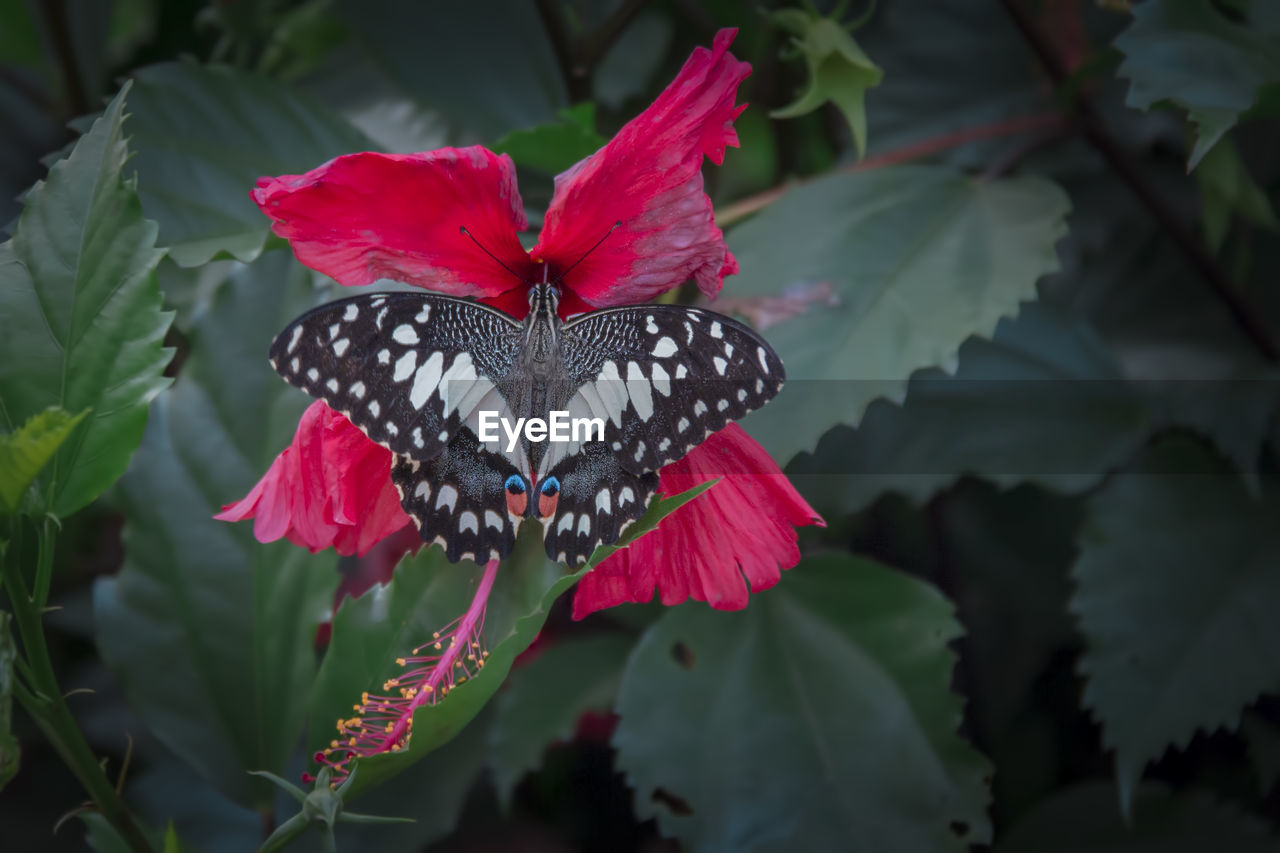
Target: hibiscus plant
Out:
[945,592]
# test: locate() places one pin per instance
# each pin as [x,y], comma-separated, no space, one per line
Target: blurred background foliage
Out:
[1020,259]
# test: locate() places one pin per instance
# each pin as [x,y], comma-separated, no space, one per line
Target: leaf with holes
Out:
[917,260]
[544,699]
[1175,583]
[840,674]
[83,325]
[208,632]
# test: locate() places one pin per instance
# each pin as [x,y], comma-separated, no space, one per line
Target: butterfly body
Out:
[417,373]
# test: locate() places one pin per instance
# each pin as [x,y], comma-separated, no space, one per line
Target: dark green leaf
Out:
[209,633]
[1189,52]
[1226,191]
[83,325]
[513,82]
[1176,583]
[425,595]
[24,453]
[1084,819]
[1042,402]
[553,148]
[204,135]
[10,750]
[821,713]
[544,699]
[912,260]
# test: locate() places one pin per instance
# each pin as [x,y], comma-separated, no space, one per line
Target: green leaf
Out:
[916,259]
[821,713]
[553,148]
[544,699]
[1083,819]
[23,454]
[1043,402]
[512,82]
[1227,191]
[839,70]
[1189,52]
[426,594]
[10,749]
[209,633]
[82,314]
[204,135]
[1263,738]
[1176,583]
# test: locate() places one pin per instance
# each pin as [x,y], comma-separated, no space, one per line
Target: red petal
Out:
[366,216]
[330,486]
[649,178]
[741,527]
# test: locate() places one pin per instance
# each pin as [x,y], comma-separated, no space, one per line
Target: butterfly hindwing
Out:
[597,499]
[663,378]
[458,499]
[406,368]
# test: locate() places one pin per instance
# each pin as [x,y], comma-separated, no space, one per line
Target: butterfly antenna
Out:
[615,227]
[496,260]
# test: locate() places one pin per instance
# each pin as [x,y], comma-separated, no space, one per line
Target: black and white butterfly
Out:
[415,371]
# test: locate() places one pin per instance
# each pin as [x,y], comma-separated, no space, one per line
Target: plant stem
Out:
[1120,162]
[46,705]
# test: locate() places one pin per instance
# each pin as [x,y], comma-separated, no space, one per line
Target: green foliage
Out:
[10,749]
[425,595]
[821,713]
[1226,190]
[204,134]
[839,71]
[82,311]
[553,148]
[1213,64]
[1176,584]
[915,259]
[24,453]
[545,697]
[1084,818]
[209,633]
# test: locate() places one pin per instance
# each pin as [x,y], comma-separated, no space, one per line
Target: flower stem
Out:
[45,703]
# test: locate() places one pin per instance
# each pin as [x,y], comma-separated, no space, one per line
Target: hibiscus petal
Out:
[330,487]
[366,216]
[739,534]
[649,179]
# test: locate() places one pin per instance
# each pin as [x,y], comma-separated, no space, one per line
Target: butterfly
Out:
[427,377]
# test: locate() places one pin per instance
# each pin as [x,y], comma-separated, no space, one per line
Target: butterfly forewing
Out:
[406,368]
[663,378]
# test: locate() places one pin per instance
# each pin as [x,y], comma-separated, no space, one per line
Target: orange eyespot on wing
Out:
[548,497]
[517,496]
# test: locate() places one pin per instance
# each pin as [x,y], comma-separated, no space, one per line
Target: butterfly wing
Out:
[663,378]
[458,499]
[408,369]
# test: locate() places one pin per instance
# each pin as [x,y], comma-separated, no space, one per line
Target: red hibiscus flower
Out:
[367,216]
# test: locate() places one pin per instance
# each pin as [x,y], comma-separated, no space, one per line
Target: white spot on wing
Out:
[340,346]
[405,334]
[332,385]
[384,356]
[566,523]
[764,360]
[468,521]
[604,501]
[448,496]
[681,371]
[405,365]
[720,364]
[293,339]
[664,348]
[683,424]
[661,381]
[313,375]
[423,490]
[492,519]
[699,409]
[351,313]
[650,326]
[421,316]
[426,380]
[392,429]
[722,405]
[334,329]
[639,391]
[374,408]
[584,525]
[688,327]
[295,364]
[612,392]
[715,329]
[626,496]
[357,390]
